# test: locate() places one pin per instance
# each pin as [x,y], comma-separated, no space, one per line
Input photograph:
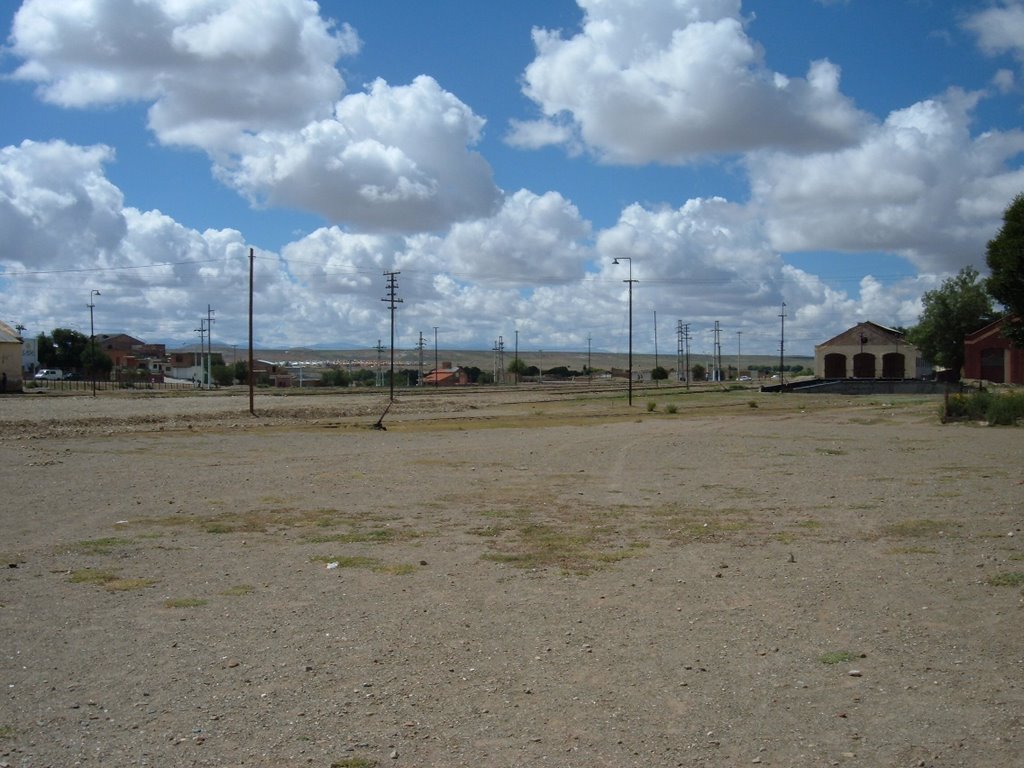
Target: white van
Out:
[49,374]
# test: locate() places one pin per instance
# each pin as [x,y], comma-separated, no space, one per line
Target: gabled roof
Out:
[995,328]
[871,332]
[121,339]
[441,375]
[8,334]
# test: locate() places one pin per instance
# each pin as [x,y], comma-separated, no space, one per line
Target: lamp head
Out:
[615,261]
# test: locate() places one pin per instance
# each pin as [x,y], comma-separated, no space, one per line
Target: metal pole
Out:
[656,339]
[92,340]
[252,408]
[782,348]
[435,356]
[739,347]
[630,281]
[519,365]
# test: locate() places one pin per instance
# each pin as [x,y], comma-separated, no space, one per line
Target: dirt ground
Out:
[521,578]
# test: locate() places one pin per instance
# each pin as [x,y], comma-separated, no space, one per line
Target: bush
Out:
[971,406]
[1003,410]
[671,408]
[651,406]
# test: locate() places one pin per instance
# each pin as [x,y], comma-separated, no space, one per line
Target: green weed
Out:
[1006,579]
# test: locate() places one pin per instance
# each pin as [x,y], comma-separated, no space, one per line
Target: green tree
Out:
[699,372]
[951,311]
[1005,258]
[517,366]
[364,377]
[658,373]
[96,362]
[61,349]
[223,375]
[241,372]
[335,377]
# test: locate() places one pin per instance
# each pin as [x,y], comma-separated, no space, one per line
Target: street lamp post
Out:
[630,281]
[92,339]
[435,357]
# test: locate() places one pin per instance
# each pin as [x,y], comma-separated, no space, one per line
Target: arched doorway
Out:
[835,366]
[864,365]
[893,365]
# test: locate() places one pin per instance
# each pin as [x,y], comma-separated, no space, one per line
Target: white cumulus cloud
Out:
[254,84]
[669,80]
[211,68]
[395,158]
[919,184]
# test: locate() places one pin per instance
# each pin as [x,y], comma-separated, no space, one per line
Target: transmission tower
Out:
[393,302]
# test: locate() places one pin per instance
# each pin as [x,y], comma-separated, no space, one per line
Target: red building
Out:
[446,376]
[990,356]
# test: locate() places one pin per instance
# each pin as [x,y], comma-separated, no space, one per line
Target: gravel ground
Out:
[509,579]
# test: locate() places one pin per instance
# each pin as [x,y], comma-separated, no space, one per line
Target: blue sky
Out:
[841,157]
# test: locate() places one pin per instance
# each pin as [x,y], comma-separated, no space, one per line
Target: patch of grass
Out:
[102,546]
[185,602]
[671,408]
[254,520]
[238,590]
[652,407]
[911,551]
[752,403]
[837,657]
[1006,579]
[488,530]
[7,732]
[127,585]
[915,528]
[809,524]
[1017,557]
[109,580]
[354,762]
[91,576]
[831,451]
[376,536]
[571,544]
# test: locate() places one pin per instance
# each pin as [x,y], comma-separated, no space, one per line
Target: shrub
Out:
[996,409]
[651,406]
[671,408]
[970,406]
[1005,410]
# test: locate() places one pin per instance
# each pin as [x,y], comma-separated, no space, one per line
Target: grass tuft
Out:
[109,580]
[1006,579]
[101,546]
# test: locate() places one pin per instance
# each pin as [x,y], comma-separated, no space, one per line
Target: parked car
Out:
[72,376]
[49,374]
